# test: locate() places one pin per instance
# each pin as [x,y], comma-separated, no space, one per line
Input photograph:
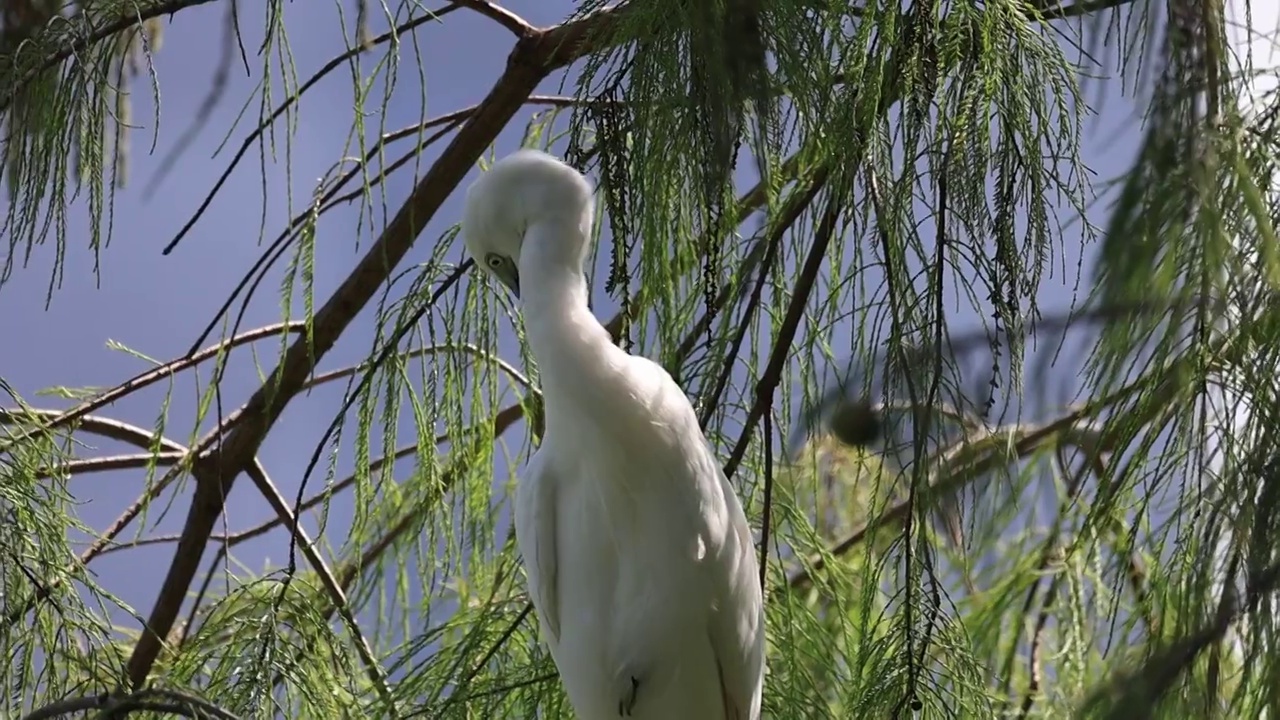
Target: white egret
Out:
[639,558]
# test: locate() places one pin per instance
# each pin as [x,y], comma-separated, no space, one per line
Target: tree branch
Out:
[500,15]
[152,700]
[151,377]
[215,471]
[790,214]
[336,595]
[777,360]
[955,472]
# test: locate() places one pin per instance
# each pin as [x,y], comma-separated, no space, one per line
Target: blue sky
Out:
[156,304]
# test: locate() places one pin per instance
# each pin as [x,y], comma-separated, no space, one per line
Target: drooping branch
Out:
[90,36]
[782,225]
[337,597]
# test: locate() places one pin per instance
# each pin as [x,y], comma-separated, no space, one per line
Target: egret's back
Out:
[652,551]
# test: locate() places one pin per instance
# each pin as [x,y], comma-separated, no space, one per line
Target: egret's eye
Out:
[495,262]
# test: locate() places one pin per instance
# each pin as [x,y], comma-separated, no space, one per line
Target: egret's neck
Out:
[573,350]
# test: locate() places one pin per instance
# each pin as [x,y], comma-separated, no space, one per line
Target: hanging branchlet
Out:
[27,28]
[611,119]
[919,40]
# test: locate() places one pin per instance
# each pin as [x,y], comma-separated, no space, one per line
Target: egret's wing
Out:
[535,519]
[737,625]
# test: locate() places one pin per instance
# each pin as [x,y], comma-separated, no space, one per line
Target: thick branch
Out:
[533,58]
[156,700]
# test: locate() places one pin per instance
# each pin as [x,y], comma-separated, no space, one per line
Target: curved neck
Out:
[577,360]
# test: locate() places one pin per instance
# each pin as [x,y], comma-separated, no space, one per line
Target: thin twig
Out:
[131,461]
[230,540]
[336,595]
[786,334]
[750,201]
[778,357]
[293,99]
[217,87]
[331,199]
[789,216]
[151,377]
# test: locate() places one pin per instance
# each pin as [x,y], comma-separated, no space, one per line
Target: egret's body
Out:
[638,554]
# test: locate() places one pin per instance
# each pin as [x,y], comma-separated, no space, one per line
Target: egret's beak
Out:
[511,278]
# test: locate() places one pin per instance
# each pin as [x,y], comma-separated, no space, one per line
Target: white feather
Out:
[638,554]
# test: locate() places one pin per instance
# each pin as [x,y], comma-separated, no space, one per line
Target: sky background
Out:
[157,304]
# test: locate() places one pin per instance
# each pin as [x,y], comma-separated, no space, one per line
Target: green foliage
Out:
[67,115]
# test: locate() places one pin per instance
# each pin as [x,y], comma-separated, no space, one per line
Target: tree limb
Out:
[152,700]
[215,471]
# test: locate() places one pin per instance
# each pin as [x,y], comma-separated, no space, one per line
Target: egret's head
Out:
[527,189]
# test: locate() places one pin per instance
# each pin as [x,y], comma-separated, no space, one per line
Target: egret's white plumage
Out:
[638,554]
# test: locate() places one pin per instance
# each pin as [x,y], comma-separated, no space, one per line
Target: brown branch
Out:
[955,471]
[233,539]
[533,58]
[500,15]
[786,334]
[351,570]
[337,597]
[1052,553]
[785,220]
[131,461]
[750,201]
[555,101]
[772,375]
[104,427]
[151,377]
[1037,642]
[152,700]
[1133,694]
